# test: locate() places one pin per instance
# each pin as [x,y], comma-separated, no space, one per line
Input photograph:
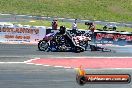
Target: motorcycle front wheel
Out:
[43,45]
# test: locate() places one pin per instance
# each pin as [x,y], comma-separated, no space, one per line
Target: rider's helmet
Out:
[62,29]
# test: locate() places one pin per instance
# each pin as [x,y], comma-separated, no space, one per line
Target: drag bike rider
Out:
[60,38]
[60,34]
[62,41]
[63,38]
[57,39]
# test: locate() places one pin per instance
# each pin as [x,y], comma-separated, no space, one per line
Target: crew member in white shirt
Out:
[74,26]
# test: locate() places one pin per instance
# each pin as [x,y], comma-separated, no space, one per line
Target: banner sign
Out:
[21,34]
[119,38]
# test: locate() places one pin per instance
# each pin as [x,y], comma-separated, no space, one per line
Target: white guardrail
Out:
[10,33]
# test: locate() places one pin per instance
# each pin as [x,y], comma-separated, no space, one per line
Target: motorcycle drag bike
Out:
[62,43]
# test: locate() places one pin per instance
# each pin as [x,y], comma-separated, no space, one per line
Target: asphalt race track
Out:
[16,74]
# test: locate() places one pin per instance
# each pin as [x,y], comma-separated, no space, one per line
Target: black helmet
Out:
[62,29]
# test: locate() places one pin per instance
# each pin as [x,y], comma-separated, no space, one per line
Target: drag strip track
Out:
[21,75]
[31,51]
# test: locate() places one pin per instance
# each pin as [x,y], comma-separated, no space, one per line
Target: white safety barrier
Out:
[25,34]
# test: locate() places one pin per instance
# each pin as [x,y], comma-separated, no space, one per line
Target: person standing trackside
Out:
[92,29]
[74,26]
[54,24]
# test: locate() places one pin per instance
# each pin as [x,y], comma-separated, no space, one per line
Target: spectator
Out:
[74,26]
[92,27]
[54,24]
